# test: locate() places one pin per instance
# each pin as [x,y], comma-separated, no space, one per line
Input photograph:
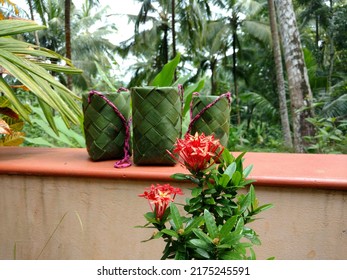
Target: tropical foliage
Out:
[28,66]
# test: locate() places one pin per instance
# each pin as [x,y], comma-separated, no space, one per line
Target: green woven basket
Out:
[211,115]
[104,129]
[156,123]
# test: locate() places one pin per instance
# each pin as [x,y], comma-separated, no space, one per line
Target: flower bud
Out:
[215,241]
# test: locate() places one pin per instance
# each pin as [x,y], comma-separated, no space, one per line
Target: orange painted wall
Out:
[56,204]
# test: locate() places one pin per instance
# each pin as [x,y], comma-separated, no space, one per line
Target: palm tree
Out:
[67,24]
[162,26]
[215,38]
[279,76]
[67,5]
[91,50]
[299,87]
[239,16]
[87,48]
[173,31]
[145,46]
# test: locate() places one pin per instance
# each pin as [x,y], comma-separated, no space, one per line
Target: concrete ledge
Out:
[270,169]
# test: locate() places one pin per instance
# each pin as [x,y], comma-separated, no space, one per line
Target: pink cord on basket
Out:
[193,120]
[125,161]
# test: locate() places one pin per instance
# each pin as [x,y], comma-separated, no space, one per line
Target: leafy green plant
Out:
[31,66]
[215,223]
[330,136]
[67,137]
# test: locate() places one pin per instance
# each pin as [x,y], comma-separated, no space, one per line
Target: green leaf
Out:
[228,226]
[194,207]
[252,254]
[180,176]
[245,202]
[228,158]
[40,83]
[156,236]
[196,191]
[200,243]
[211,189]
[150,217]
[194,200]
[252,195]
[188,93]
[262,208]
[58,68]
[202,253]
[231,256]
[170,232]
[9,93]
[47,111]
[230,170]
[180,255]
[252,236]
[224,180]
[239,226]
[334,137]
[246,182]
[219,211]
[39,141]
[209,201]
[11,27]
[240,156]
[247,171]
[166,75]
[61,138]
[203,236]
[237,177]
[175,216]
[194,223]
[231,239]
[239,162]
[210,224]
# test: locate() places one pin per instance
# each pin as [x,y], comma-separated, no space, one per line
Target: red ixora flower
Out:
[197,152]
[160,196]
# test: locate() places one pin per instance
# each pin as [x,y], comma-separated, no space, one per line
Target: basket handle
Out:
[198,116]
[125,161]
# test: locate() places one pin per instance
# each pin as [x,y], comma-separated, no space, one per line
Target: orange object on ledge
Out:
[269,169]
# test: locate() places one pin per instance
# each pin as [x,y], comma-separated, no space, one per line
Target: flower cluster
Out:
[214,221]
[197,152]
[160,196]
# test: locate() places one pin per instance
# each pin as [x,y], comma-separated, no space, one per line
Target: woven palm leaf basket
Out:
[106,124]
[211,115]
[156,121]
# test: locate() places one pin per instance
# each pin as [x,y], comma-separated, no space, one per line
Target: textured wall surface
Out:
[86,218]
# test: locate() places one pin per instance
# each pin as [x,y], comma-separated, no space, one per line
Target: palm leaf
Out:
[35,82]
[258,30]
[336,108]
[27,63]
[9,93]
[259,101]
[13,27]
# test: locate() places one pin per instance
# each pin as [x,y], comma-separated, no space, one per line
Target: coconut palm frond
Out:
[336,108]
